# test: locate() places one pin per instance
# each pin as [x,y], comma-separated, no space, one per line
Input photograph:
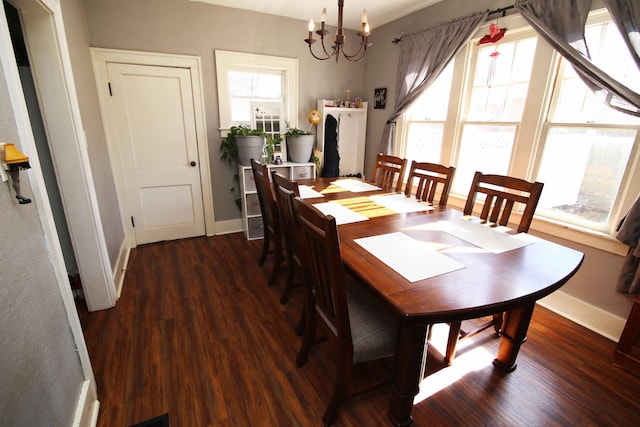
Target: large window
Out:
[517,108]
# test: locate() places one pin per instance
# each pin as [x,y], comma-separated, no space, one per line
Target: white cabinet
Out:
[352,129]
[251,213]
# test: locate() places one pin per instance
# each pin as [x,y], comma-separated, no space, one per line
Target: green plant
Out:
[296,132]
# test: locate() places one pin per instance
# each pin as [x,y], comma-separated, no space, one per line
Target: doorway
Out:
[40,137]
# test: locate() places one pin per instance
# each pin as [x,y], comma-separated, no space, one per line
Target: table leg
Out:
[407,371]
[513,334]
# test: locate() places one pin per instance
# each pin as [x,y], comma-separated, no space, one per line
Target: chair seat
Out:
[374,328]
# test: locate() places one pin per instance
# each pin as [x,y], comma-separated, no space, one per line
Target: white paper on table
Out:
[354,185]
[485,236]
[400,203]
[342,214]
[413,259]
[307,192]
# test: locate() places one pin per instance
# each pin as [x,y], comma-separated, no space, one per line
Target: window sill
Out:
[573,233]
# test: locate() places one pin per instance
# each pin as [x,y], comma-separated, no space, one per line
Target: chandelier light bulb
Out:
[312,25]
[364,15]
[323,16]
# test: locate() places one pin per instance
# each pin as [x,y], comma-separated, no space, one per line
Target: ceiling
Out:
[379,12]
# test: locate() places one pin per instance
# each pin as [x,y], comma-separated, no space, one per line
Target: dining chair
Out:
[270,218]
[285,190]
[501,193]
[388,171]
[424,179]
[352,319]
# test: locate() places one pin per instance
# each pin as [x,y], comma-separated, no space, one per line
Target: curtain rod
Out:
[501,10]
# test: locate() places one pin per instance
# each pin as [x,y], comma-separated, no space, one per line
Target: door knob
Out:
[193,163]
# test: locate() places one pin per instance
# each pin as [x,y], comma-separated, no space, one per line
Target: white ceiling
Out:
[379,12]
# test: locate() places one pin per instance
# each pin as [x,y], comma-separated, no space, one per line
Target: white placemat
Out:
[307,192]
[340,213]
[413,259]
[354,185]
[400,203]
[492,239]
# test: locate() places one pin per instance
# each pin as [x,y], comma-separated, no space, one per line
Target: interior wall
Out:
[78,42]
[184,27]
[596,280]
[40,368]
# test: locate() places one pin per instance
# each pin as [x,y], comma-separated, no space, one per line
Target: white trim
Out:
[227,227]
[584,314]
[87,408]
[100,58]
[120,268]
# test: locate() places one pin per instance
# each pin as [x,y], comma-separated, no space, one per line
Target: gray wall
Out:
[40,369]
[184,27]
[76,32]
[595,281]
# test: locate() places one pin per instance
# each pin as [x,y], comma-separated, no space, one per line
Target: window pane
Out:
[501,81]
[576,103]
[484,148]
[582,169]
[426,142]
[255,85]
[433,103]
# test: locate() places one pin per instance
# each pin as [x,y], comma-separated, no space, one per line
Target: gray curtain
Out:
[629,234]
[561,23]
[423,56]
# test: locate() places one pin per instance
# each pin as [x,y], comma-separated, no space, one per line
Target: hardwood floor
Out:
[198,333]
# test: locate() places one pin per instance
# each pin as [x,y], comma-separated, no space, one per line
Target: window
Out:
[524,112]
[499,81]
[258,91]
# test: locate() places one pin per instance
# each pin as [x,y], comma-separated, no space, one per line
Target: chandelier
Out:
[338,39]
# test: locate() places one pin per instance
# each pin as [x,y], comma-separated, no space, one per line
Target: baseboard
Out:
[87,408]
[584,314]
[120,268]
[227,227]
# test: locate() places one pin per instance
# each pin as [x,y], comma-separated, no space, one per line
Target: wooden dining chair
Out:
[388,172]
[501,193]
[270,218]
[352,319]
[285,191]
[424,180]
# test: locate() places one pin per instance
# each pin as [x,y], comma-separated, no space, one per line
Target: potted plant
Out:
[243,144]
[299,145]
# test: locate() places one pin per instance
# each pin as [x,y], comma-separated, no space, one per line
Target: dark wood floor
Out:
[198,334]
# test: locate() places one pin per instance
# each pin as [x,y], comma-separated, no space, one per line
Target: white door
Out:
[154,121]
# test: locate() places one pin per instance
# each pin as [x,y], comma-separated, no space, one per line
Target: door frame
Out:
[100,57]
[45,36]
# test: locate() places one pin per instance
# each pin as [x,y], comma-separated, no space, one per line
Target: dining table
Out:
[432,264]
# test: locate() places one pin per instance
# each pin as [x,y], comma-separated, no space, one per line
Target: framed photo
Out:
[380,97]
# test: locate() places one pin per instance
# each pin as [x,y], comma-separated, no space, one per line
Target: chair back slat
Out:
[501,194]
[429,176]
[388,172]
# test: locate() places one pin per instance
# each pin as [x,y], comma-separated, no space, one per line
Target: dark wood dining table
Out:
[509,282]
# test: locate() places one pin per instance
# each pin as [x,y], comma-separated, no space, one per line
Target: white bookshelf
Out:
[251,213]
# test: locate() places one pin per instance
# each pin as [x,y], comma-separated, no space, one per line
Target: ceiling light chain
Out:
[339,38]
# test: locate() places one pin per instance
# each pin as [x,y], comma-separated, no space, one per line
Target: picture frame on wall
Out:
[380,97]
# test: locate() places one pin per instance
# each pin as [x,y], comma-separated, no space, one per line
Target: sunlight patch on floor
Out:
[464,363]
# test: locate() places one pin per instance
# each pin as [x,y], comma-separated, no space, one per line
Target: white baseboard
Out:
[226,227]
[120,268]
[88,406]
[584,314]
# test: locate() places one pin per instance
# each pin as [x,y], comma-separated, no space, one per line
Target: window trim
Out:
[227,60]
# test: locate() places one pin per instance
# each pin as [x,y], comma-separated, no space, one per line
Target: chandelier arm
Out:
[362,51]
[317,57]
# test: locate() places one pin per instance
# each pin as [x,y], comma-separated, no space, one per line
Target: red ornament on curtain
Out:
[495,34]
